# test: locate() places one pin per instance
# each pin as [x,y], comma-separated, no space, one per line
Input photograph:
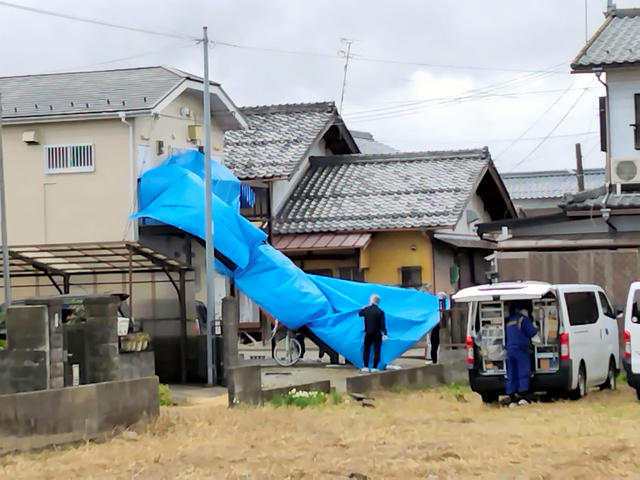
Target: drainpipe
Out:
[132,179]
[607,171]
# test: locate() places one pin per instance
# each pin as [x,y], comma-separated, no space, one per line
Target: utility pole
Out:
[3,225]
[347,56]
[579,170]
[212,374]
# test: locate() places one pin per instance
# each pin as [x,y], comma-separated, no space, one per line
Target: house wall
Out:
[281,189]
[476,205]
[388,251]
[623,84]
[170,126]
[67,207]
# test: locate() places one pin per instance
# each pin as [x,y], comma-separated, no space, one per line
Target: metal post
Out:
[579,170]
[212,374]
[3,225]
[183,327]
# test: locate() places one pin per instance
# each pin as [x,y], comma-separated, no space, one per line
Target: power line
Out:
[549,108]
[555,127]
[96,22]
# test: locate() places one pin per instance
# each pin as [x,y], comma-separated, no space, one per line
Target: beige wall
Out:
[67,207]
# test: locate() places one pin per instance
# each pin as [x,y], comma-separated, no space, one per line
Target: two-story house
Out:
[595,236]
[74,147]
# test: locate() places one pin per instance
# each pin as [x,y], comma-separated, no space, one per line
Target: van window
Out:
[606,306]
[635,311]
[582,308]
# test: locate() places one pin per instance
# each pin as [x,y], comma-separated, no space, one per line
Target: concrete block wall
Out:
[103,362]
[25,365]
[53,306]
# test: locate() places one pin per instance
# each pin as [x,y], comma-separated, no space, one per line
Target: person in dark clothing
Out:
[375,331]
[519,332]
[435,343]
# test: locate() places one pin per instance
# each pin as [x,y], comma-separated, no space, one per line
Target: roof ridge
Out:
[84,72]
[549,173]
[401,156]
[378,193]
[327,106]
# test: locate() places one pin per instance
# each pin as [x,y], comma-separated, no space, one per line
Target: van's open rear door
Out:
[503,291]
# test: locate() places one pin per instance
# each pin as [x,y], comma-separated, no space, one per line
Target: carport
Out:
[62,263]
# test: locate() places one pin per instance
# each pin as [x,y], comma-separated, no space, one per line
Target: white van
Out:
[631,360]
[578,347]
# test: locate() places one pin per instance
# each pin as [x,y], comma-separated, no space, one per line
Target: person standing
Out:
[519,332]
[375,331]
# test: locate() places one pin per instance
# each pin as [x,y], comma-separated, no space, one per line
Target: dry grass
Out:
[433,434]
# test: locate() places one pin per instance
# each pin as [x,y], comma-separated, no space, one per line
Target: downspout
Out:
[132,179]
[607,173]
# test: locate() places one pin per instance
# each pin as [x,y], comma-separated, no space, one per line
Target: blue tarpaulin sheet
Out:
[173,193]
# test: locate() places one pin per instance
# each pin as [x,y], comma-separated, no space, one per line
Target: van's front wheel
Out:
[581,388]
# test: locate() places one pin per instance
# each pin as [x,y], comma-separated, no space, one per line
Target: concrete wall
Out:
[38,419]
[388,251]
[415,377]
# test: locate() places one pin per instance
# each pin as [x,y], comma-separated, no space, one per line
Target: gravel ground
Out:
[437,434]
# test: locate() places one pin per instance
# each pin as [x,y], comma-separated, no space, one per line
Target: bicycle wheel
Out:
[287,352]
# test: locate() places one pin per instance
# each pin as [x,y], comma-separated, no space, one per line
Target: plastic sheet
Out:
[173,193]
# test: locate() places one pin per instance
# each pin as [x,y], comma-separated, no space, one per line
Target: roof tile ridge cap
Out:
[84,72]
[475,154]
[302,107]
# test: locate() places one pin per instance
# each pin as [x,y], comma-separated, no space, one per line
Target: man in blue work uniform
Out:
[519,331]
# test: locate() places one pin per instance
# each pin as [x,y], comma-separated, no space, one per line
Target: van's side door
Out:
[584,334]
[632,325]
[608,331]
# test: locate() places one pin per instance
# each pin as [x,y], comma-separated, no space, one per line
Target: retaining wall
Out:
[38,419]
[413,377]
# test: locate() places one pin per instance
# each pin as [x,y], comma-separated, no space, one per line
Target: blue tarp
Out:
[173,193]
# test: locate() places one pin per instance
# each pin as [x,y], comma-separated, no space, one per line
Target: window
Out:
[68,158]
[635,308]
[350,273]
[411,276]
[325,272]
[582,308]
[606,306]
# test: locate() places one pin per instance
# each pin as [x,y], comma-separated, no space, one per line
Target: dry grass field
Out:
[445,433]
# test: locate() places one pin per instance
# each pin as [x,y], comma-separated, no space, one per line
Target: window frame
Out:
[409,269]
[605,305]
[48,170]
[569,305]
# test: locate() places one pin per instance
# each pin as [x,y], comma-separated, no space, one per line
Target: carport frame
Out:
[65,260]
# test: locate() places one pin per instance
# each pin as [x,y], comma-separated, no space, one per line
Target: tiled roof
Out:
[594,200]
[616,43]
[277,139]
[550,184]
[87,92]
[368,145]
[378,192]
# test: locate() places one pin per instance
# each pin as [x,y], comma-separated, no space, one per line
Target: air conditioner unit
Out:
[625,171]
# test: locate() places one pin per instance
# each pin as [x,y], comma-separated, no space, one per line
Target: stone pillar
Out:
[229,334]
[244,385]
[101,333]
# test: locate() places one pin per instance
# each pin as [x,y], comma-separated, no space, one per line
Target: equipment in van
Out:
[578,337]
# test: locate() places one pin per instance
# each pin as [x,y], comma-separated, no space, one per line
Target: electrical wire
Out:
[96,22]
[555,127]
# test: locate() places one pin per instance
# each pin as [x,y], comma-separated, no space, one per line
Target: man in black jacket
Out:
[375,332]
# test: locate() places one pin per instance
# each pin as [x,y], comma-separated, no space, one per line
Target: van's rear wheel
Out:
[489,398]
[610,382]
[581,388]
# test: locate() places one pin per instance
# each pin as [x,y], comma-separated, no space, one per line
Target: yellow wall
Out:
[388,251]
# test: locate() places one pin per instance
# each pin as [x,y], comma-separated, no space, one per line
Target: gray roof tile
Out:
[368,145]
[593,200]
[388,191]
[277,138]
[86,92]
[550,184]
[616,43]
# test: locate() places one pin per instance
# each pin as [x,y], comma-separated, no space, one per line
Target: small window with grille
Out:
[69,158]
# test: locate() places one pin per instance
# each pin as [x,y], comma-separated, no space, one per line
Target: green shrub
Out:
[300,399]
[164,394]
[3,343]
[336,398]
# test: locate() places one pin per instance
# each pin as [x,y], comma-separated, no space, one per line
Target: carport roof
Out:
[88,259]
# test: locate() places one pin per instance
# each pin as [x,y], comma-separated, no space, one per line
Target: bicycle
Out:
[287,351]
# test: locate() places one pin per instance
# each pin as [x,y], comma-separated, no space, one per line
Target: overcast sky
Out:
[511,91]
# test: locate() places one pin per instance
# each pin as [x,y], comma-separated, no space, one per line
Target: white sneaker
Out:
[523,401]
[513,405]
[364,369]
[375,370]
